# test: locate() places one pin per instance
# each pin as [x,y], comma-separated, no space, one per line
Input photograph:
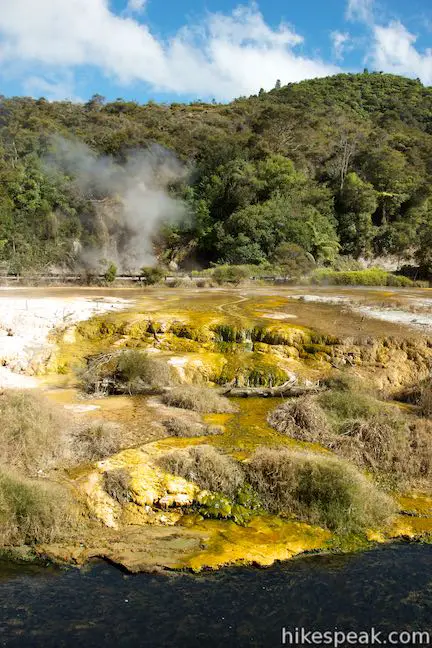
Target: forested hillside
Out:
[337,166]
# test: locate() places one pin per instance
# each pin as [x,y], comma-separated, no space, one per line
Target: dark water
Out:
[389,588]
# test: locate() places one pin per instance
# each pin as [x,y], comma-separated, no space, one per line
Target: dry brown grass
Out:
[370,434]
[207,467]
[33,431]
[419,394]
[198,399]
[117,484]
[425,401]
[300,418]
[97,442]
[31,510]
[319,489]
[178,427]
[420,456]
[378,444]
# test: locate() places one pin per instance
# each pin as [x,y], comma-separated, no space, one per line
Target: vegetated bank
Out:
[326,171]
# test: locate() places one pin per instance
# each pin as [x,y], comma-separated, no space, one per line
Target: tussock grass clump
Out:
[198,399]
[207,467]
[204,283]
[302,418]
[425,401]
[117,483]
[97,442]
[32,431]
[420,395]
[380,444]
[177,427]
[420,455]
[31,511]
[370,434]
[318,489]
[181,282]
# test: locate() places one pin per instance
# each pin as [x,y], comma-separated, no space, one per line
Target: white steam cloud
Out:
[130,201]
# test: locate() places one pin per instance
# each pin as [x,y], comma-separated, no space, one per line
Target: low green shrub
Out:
[181,282]
[419,394]
[152,275]
[293,260]
[231,274]
[399,281]
[129,371]
[318,489]
[110,273]
[343,382]
[203,283]
[135,366]
[198,399]
[205,466]
[369,277]
[348,404]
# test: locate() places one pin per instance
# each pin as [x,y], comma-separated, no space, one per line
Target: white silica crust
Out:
[26,323]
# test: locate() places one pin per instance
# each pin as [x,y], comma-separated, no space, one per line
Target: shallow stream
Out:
[389,588]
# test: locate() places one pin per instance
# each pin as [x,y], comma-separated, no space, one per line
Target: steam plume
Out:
[130,201]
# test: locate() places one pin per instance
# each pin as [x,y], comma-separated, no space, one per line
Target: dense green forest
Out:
[340,167]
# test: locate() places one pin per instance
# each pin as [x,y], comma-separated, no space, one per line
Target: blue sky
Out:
[181,50]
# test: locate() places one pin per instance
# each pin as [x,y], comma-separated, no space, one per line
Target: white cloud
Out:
[53,89]
[392,47]
[225,56]
[361,10]
[339,42]
[136,6]
[394,52]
